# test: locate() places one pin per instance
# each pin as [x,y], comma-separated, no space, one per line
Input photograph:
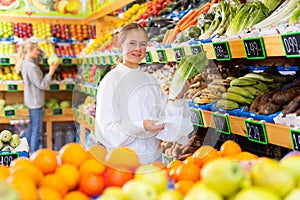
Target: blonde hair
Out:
[23,49]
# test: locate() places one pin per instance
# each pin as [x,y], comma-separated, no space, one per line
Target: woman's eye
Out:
[143,45]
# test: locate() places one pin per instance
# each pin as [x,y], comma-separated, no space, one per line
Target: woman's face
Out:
[35,53]
[134,47]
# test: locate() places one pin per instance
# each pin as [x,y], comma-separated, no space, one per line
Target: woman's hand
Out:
[53,67]
[149,125]
[185,88]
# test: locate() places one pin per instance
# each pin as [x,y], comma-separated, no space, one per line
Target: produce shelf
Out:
[85,121]
[62,87]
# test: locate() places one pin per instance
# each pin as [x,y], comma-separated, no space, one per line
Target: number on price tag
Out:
[256,131]
[70,86]
[4,61]
[162,57]
[196,49]
[295,136]
[196,117]
[54,87]
[254,48]
[10,113]
[7,157]
[179,53]
[291,44]
[57,111]
[66,61]
[148,57]
[221,51]
[221,123]
[12,87]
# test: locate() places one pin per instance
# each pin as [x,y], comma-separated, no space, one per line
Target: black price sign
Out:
[221,123]
[221,50]
[7,158]
[66,61]
[179,53]
[45,61]
[103,60]
[84,117]
[254,48]
[291,44]
[148,57]
[162,57]
[57,111]
[70,86]
[256,131]
[87,61]
[9,112]
[54,87]
[12,87]
[4,61]
[111,60]
[78,114]
[295,136]
[196,49]
[196,117]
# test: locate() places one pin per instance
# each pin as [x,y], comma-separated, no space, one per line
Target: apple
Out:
[153,175]
[292,164]
[201,191]
[293,195]
[170,195]
[271,175]
[138,189]
[223,175]
[257,193]
[112,193]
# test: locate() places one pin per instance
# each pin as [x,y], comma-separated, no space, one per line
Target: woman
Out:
[130,102]
[35,84]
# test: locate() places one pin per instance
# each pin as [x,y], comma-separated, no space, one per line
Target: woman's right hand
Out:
[149,125]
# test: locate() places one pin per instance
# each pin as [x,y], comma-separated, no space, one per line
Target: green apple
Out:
[112,193]
[15,140]
[271,175]
[5,135]
[1,144]
[170,194]
[7,192]
[257,193]
[201,191]
[223,175]
[138,189]
[293,195]
[153,175]
[292,164]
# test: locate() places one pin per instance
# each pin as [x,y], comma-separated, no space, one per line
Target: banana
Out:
[275,85]
[261,77]
[243,81]
[261,86]
[277,78]
[225,82]
[227,104]
[237,98]
[220,88]
[254,91]
[241,91]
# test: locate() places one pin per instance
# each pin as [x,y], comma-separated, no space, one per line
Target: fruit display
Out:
[79,47]
[79,32]
[7,73]
[8,140]
[7,49]
[47,47]
[64,50]
[55,103]
[61,31]
[22,30]
[6,29]
[41,30]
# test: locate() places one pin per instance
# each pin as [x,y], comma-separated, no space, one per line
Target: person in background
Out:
[131,105]
[35,83]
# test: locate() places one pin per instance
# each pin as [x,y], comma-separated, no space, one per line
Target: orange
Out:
[4,172]
[189,172]
[183,186]
[174,163]
[55,182]
[204,154]
[76,195]
[116,177]
[47,193]
[91,184]
[229,148]
[188,160]
[45,159]
[172,167]
[70,175]
[245,156]
[92,166]
[73,153]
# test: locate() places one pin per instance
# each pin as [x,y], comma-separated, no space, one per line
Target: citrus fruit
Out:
[93,166]
[204,154]
[76,195]
[4,172]
[70,175]
[73,153]
[47,193]
[55,182]
[116,177]
[189,172]
[183,186]
[91,184]
[45,159]
[229,148]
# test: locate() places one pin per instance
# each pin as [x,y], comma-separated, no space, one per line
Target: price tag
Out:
[70,86]
[256,131]
[79,61]
[87,61]
[98,60]
[162,57]
[9,112]
[291,44]
[92,61]
[295,136]
[84,117]
[179,53]
[45,61]
[254,48]
[4,61]
[91,121]
[221,123]
[117,57]
[221,50]
[167,159]
[7,157]
[80,87]
[92,91]
[196,49]
[57,111]
[12,87]
[54,87]
[111,60]
[86,89]
[148,57]
[196,117]
[66,61]
[78,114]
[104,60]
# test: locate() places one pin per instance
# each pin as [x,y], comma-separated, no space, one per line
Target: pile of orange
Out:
[79,32]
[78,47]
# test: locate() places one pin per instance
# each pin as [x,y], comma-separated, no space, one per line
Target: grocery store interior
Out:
[240,59]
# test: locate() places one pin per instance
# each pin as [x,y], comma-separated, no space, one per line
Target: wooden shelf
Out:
[49,20]
[3,87]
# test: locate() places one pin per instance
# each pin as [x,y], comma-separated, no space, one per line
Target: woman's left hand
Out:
[149,125]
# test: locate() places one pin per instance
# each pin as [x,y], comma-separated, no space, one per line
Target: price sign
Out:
[162,57]
[103,60]
[117,57]
[57,111]
[80,87]
[66,61]
[92,60]
[221,50]
[256,131]
[54,87]
[221,123]
[92,91]
[70,86]
[9,112]
[196,117]
[4,61]
[86,89]
[179,53]
[45,61]
[12,87]
[167,159]
[7,157]
[254,48]
[78,114]
[87,61]
[148,57]
[91,121]
[295,136]
[291,44]
[111,60]
[196,49]
[84,117]
[98,60]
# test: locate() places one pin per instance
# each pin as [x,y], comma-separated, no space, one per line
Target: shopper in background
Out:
[35,84]
[130,102]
